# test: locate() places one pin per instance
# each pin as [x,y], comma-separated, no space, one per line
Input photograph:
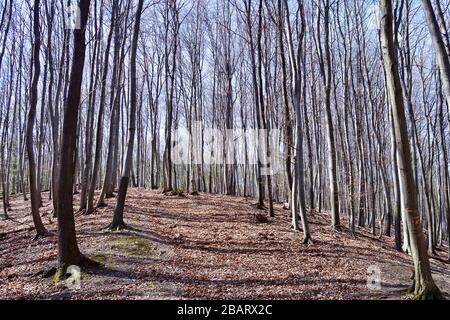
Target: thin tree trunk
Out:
[118,222]
[442,57]
[40,229]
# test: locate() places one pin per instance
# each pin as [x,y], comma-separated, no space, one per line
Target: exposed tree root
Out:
[117,227]
[308,241]
[424,292]
[260,206]
[41,235]
[59,273]
[195,193]
[295,227]
[428,295]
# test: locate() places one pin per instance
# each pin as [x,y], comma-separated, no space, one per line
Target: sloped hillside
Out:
[206,246]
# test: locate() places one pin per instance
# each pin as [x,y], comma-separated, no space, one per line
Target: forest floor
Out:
[204,247]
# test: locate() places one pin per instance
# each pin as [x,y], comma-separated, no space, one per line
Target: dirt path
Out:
[206,246]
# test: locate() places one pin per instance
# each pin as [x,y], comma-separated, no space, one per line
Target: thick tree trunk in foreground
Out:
[68,252]
[423,286]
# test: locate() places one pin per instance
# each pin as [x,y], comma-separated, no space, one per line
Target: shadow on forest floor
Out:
[205,247]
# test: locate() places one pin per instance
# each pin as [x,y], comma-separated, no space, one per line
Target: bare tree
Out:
[117,222]
[324,54]
[442,55]
[68,251]
[35,198]
[423,286]
[295,58]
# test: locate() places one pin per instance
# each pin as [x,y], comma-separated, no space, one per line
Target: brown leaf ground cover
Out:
[204,247]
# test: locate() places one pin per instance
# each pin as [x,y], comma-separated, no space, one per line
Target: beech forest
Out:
[224,149]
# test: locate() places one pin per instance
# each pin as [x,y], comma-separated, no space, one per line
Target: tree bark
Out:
[68,251]
[118,222]
[439,46]
[99,136]
[423,286]
[35,199]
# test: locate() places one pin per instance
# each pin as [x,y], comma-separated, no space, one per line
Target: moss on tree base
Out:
[425,293]
[428,295]
[59,273]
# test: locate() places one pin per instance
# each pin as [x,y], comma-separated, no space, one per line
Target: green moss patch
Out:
[133,245]
[100,258]
[58,277]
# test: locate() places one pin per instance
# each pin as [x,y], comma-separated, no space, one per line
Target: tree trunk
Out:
[99,136]
[35,199]
[117,222]
[423,286]
[68,252]
[439,46]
